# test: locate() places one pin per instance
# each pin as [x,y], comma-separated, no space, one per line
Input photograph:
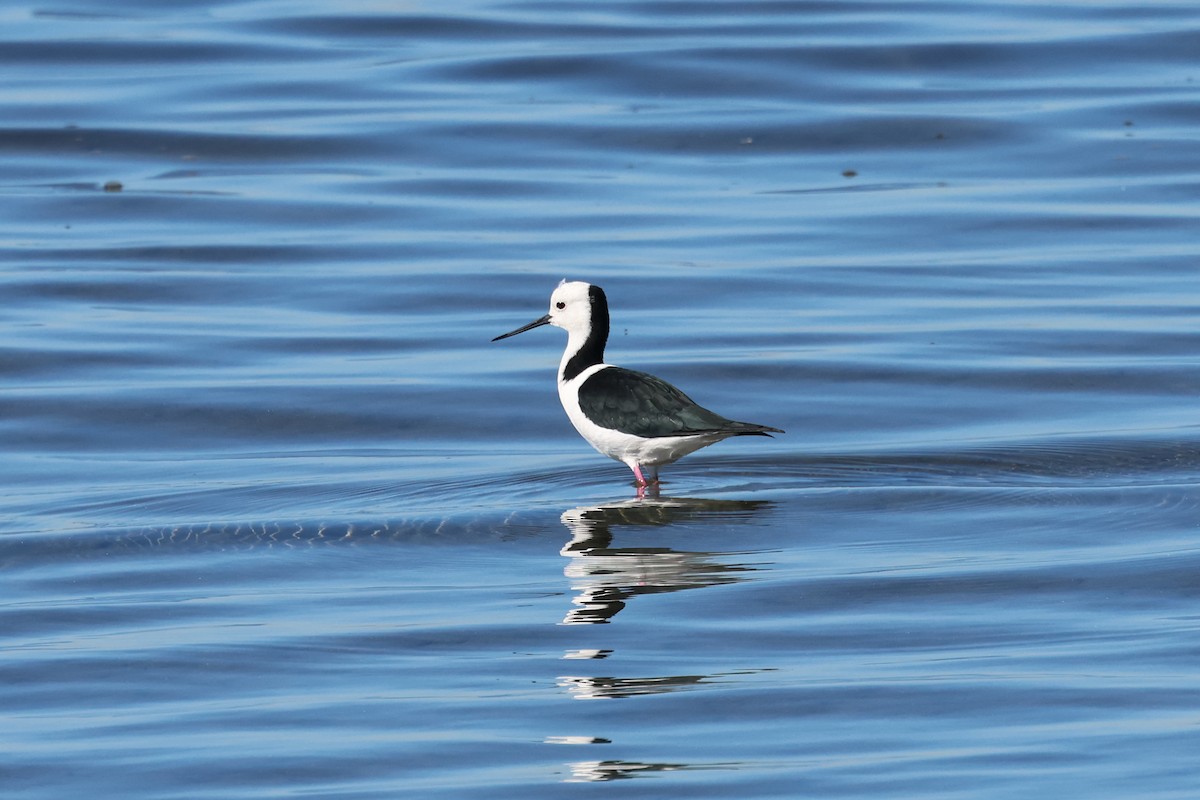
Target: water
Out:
[279,520]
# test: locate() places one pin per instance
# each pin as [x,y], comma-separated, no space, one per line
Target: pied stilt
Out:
[638,419]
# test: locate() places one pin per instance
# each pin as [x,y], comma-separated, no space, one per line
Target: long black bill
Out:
[537,323]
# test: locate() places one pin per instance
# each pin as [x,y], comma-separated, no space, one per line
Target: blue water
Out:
[279,520]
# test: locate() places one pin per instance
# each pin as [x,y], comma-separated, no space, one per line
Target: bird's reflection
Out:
[606,572]
[600,771]
[596,687]
[606,577]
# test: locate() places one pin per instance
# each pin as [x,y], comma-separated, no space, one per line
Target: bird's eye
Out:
[560,305]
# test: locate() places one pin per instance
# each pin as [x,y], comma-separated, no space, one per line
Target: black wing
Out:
[643,405]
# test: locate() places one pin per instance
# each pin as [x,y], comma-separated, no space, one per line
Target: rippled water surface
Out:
[279,520]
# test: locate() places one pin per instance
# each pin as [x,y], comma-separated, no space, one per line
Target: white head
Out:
[571,306]
[579,308]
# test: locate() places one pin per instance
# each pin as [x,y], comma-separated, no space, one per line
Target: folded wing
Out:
[643,405]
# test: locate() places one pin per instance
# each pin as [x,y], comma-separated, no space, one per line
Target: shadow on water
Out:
[606,577]
[606,571]
[599,771]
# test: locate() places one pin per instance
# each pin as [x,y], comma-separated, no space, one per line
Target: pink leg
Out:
[637,473]
[642,482]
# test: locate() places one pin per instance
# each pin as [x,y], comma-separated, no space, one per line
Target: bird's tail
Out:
[750,429]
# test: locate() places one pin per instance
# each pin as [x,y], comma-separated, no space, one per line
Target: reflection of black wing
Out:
[643,405]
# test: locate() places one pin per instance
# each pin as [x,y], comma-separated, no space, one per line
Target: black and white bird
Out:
[638,419]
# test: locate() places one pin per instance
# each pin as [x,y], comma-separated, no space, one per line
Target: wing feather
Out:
[643,405]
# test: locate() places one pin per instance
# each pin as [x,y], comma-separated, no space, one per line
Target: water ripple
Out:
[258,444]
